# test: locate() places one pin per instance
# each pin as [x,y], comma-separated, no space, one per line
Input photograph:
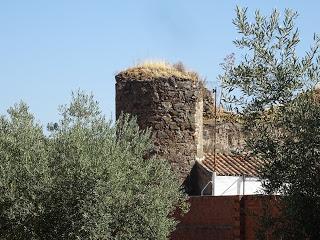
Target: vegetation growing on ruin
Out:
[155,70]
[223,116]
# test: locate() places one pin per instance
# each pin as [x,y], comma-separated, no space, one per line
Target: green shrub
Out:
[91,179]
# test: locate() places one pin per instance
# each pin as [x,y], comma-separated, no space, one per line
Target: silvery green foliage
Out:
[280,111]
[270,71]
[292,154]
[25,179]
[101,184]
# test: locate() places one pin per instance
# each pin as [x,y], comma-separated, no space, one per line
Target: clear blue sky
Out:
[49,48]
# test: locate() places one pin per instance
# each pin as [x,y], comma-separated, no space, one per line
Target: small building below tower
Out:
[226,174]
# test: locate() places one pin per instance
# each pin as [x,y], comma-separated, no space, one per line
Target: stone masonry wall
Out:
[172,107]
[228,139]
[228,132]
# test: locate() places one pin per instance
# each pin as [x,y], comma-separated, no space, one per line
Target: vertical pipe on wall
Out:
[243,184]
[213,189]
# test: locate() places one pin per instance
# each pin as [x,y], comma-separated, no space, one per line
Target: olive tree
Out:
[25,179]
[274,90]
[95,181]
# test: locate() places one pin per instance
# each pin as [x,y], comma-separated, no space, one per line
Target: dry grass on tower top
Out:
[152,70]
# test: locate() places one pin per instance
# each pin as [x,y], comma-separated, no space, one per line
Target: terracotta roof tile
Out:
[233,165]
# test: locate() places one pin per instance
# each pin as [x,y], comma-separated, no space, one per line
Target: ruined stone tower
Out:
[169,100]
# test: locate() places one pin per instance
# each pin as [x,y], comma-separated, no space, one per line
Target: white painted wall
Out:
[233,185]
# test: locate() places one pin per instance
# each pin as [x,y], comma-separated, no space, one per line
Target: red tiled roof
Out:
[232,165]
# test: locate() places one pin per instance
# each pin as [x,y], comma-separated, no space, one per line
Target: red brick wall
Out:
[252,209]
[222,218]
[210,218]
